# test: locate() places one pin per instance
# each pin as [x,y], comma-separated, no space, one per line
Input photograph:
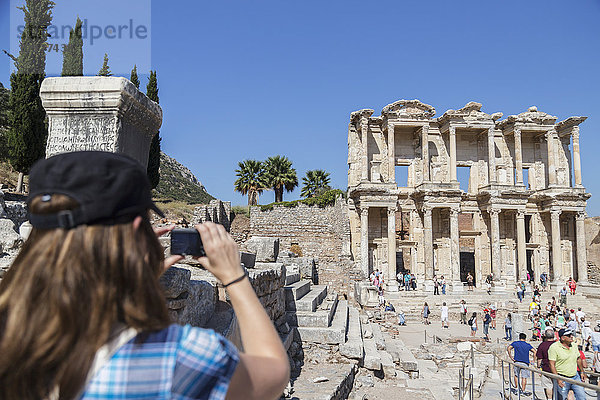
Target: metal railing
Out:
[592,390]
[436,338]
[466,387]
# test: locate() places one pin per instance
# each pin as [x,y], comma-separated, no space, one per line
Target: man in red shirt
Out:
[542,360]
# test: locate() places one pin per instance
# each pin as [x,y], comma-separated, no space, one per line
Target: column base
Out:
[499,286]
[428,285]
[392,286]
[458,287]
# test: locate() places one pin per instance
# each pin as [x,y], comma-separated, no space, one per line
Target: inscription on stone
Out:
[78,133]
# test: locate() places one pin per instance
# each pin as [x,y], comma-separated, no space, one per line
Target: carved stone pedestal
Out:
[99,113]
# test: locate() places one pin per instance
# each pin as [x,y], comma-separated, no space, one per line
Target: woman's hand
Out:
[222,256]
[169,261]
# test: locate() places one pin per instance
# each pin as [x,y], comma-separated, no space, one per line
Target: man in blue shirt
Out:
[521,358]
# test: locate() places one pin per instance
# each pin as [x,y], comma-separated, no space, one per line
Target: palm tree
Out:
[280,175]
[315,182]
[251,180]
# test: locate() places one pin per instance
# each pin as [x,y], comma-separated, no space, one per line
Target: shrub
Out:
[326,199]
[296,250]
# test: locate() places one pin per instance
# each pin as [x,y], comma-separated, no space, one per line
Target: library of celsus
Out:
[466,192]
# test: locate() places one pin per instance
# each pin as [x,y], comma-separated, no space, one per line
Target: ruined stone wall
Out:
[320,233]
[194,297]
[240,228]
[216,211]
[592,238]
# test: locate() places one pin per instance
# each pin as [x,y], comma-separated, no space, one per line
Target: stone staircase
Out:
[411,302]
[324,318]
[319,317]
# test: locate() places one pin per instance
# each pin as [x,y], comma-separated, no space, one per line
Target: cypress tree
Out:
[154,154]
[4,112]
[105,70]
[27,134]
[73,53]
[134,77]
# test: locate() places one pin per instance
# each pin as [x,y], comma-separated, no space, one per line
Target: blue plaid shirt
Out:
[178,362]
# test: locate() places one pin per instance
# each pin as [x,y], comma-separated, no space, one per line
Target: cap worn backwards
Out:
[110,188]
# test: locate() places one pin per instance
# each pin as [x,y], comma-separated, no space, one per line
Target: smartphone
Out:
[186,242]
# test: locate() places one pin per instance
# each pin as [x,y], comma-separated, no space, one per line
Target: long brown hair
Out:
[65,292]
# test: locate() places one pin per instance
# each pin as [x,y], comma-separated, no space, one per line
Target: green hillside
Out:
[179,184]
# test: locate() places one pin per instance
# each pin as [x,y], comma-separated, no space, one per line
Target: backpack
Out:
[470,321]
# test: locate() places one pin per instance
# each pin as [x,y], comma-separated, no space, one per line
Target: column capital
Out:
[454,212]
[364,210]
[555,214]
[517,132]
[390,126]
[575,132]
[391,211]
[427,210]
[520,214]
[425,128]
[580,216]
[452,130]
[550,133]
[494,211]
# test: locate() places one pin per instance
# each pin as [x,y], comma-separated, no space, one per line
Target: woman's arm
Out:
[263,370]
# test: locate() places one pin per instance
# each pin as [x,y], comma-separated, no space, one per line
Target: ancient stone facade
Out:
[521,208]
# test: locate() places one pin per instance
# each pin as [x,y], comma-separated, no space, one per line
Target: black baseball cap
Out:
[110,188]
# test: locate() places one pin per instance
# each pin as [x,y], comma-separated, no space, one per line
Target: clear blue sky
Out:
[241,79]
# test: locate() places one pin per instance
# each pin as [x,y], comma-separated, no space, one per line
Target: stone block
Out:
[25,230]
[200,304]
[99,113]
[265,281]
[248,259]
[265,248]
[9,238]
[175,281]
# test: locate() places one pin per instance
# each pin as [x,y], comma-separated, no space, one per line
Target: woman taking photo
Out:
[82,314]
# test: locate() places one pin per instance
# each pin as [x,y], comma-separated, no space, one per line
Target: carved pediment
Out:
[412,109]
[356,116]
[531,116]
[470,112]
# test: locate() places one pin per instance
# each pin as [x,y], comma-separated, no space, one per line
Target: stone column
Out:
[391,153]
[99,113]
[392,284]
[428,242]
[581,249]
[364,240]
[559,273]
[425,152]
[364,130]
[576,157]
[495,262]
[491,156]
[518,156]
[551,157]
[521,246]
[452,140]
[455,251]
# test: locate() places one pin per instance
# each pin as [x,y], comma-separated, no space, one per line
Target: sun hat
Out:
[110,188]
